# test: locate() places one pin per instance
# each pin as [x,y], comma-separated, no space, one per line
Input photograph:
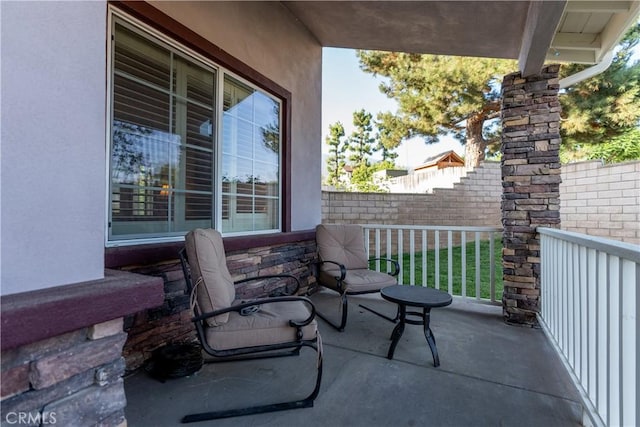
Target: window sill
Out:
[123,256]
[33,316]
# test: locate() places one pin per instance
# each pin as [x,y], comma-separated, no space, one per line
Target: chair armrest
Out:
[273,276]
[262,301]
[343,269]
[396,265]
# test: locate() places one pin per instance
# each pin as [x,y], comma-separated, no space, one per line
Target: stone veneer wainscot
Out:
[62,350]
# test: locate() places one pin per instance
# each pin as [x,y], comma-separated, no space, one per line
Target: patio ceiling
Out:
[530,31]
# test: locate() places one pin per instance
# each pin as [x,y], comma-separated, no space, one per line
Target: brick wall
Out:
[602,200]
[474,201]
[170,323]
[74,379]
[596,199]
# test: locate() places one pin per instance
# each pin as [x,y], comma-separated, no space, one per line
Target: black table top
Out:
[416,296]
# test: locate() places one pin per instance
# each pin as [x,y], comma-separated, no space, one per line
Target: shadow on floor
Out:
[491,374]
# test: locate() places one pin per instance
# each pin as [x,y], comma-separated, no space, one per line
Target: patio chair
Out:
[230,329]
[343,267]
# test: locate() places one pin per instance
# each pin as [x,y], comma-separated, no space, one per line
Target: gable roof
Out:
[450,155]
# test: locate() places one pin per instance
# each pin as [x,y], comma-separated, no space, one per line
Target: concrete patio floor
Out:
[491,374]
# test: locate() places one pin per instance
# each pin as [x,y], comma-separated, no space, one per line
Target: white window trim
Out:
[144,29]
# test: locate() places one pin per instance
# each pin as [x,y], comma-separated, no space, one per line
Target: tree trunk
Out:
[475,145]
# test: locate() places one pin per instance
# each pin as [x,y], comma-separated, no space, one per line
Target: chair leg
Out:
[307,402]
[275,354]
[207,416]
[384,316]
[343,314]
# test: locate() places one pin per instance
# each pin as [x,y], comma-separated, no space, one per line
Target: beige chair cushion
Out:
[343,243]
[358,281]
[269,325]
[214,286]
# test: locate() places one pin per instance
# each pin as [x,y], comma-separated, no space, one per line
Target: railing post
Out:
[530,185]
[590,311]
[422,261]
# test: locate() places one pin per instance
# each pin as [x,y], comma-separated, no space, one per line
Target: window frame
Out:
[145,18]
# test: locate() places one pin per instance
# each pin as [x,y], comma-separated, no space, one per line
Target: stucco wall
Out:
[264,36]
[54,63]
[53,143]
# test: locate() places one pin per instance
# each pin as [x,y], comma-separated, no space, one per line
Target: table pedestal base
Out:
[424,319]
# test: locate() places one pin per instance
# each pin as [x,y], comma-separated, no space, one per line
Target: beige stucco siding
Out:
[265,36]
[53,143]
[54,109]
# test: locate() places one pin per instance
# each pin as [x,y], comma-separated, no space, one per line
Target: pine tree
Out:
[361,141]
[601,112]
[336,159]
[439,95]
[384,146]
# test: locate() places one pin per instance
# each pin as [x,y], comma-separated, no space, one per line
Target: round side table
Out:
[415,296]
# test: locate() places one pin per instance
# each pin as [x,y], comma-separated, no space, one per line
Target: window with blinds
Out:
[166,145]
[250,159]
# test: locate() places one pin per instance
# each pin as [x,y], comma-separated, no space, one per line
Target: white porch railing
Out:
[425,253]
[590,301]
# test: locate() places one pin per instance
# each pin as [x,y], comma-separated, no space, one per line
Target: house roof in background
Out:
[530,31]
[434,160]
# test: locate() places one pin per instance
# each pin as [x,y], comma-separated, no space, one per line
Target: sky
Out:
[346,88]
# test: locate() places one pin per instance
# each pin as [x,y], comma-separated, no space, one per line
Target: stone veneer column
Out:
[530,185]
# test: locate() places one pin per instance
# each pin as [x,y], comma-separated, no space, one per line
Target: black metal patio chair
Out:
[343,267]
[230,329]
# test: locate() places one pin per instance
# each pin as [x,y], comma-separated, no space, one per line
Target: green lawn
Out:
[457,268]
